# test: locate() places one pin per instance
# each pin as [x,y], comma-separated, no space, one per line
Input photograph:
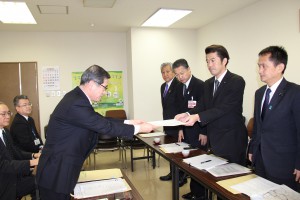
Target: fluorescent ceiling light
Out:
[15,13]
[165,17]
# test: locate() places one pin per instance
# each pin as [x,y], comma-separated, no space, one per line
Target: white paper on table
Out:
[280,192]
[228,169]
[99,188]
[169,122]
[173,147]
[254,186]
[205,161]
[155,134]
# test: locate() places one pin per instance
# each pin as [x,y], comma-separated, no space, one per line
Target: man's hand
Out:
[180,135]
[34,162]
[36,155]
[250,156]
[146,128]
[297,173]
[181,117]
[190,120]
[203,139]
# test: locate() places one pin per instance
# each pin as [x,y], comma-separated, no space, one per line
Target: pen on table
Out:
[205,161]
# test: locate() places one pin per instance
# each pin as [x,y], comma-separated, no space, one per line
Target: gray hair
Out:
[94,73]
[18,98]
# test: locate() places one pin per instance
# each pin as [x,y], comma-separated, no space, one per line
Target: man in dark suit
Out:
[169,103]
[275,146]
[73,133]
[16,180]
[220,109]
[22,129]
[190,92]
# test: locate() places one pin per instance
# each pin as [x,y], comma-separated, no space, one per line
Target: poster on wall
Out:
[51,78]
[114,94]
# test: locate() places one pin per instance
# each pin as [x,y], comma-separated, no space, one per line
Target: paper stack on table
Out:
[173,147]
[205,161]
[228,169]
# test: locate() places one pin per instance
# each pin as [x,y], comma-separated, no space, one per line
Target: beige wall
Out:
[246,32]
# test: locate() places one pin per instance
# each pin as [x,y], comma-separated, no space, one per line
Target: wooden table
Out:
[203,177]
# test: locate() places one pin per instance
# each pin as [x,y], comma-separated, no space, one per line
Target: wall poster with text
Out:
[114,94]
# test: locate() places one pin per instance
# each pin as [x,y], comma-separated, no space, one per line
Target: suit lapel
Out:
[223,83]
[277,97]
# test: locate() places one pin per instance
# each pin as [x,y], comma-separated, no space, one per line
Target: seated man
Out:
[15,174]
[23,129]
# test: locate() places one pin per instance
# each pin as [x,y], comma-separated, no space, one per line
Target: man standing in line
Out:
[22,129]
[275,146]
[190,91]
[169,103]
[220,110]
[73,133]
[16,180]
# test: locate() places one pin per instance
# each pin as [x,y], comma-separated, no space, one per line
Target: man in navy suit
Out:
[73,133]
[275,146]
[220,109]
[22,129]
[16,180]
[170,107]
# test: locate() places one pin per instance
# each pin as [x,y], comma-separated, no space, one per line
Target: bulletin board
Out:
[114,98]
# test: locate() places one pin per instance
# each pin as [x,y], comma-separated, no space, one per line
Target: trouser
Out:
[47,194]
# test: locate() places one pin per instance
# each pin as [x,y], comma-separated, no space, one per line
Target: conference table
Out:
[201,176]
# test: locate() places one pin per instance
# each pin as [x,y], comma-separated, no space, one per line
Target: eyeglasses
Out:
[6,114]
[105,87]
[25,105]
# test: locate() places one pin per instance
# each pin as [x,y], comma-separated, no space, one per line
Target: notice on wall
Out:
[114,94]
[51,80]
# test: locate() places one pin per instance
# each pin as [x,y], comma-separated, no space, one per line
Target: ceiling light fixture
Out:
[15,13]
[165,17]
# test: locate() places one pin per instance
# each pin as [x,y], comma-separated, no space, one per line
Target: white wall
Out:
[70,51]
[149,49]
[246,32]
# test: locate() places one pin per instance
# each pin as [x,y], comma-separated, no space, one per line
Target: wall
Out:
[149,49]
[70,51]
[248,31]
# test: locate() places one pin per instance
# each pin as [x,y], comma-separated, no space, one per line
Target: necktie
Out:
[266,103]
[8,145]
[217,83]
[166,90]
[184,89]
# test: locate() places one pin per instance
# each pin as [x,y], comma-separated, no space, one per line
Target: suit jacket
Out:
[170,105]
[277,137]
[24,133]
[12,168]
[221,114]
[193,92]
[72,134]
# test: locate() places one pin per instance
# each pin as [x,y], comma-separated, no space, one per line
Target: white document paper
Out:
[99,188]
[228,169]
[173,147]
[280,192]
[254,186]
[169,122]
[205,161]
[155,134]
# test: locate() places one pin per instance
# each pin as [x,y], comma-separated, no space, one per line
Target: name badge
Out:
[191,103]
[37,142]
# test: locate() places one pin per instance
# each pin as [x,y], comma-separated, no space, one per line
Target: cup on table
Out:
[185,153]
[156,140]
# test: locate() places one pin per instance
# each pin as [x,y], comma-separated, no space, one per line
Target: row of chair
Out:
[109,143]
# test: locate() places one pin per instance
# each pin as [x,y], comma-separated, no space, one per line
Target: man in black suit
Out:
[16,180]
[275,146]
[22,129]
[169,103]
[190,92]
[220,109]
[73,133]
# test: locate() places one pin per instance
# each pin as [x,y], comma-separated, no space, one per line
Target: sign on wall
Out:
[114,95]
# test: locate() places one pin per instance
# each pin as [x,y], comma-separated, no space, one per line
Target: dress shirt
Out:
[219,79]
[273,89]
[1,136]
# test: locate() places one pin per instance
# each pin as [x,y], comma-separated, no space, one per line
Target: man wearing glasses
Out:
[16,180]
[23,128]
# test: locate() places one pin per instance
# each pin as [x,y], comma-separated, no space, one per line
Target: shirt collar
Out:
[221,77]
[275,85]
[170,82]
[188,82]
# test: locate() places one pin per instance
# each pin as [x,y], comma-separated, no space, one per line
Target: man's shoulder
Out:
[197,80]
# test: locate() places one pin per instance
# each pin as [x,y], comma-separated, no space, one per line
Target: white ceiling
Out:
[123,15]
